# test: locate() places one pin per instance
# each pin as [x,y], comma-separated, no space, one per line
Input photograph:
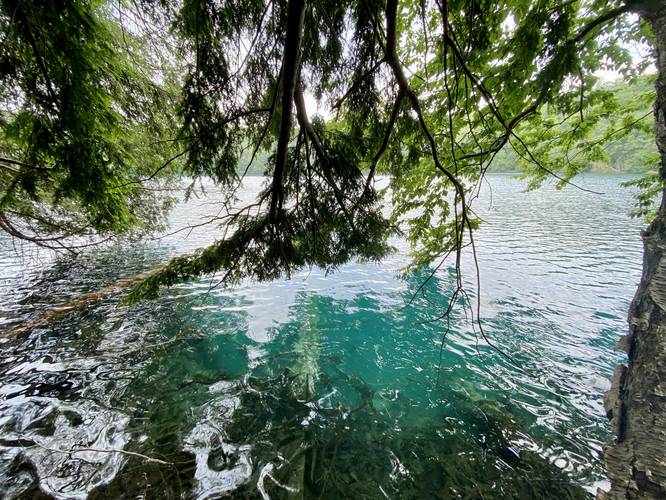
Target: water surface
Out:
[326,386]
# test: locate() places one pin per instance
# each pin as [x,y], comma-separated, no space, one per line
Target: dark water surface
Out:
[325,386]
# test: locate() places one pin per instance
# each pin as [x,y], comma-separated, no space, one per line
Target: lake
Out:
[338,386]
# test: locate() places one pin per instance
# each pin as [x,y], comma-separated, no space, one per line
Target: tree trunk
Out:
[290,72]
[636,403]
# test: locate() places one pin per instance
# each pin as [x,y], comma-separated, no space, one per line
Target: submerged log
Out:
[60,311]
[636,403]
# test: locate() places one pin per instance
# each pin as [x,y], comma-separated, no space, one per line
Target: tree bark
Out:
[290,72]
[636,402]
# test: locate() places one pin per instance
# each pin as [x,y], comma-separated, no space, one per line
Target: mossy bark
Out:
[636,403]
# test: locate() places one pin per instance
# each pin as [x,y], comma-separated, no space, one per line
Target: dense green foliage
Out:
[80,114]
[626,149]
[426,92]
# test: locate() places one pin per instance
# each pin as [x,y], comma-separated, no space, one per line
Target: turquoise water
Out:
[337,386]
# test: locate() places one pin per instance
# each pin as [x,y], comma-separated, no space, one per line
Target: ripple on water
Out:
[327,383]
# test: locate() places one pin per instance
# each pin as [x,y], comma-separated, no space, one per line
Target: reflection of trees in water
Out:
[347,441]
[350,452]
[326,410]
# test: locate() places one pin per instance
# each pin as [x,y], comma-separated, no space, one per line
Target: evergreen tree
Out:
[425,91]
[81,118]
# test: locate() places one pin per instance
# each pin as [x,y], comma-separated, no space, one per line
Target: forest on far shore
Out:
[626,150]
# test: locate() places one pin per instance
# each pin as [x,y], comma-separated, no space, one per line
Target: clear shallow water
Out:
[326,384]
